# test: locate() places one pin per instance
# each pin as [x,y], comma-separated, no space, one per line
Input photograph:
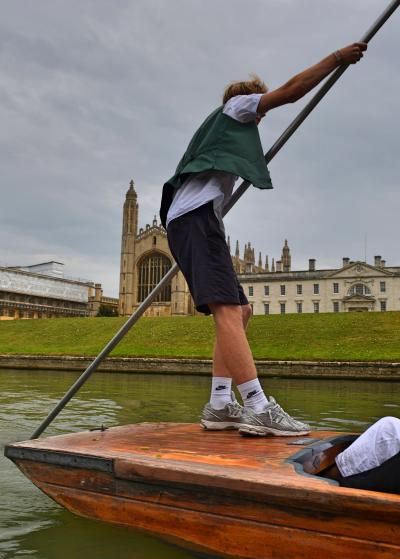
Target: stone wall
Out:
[296,369]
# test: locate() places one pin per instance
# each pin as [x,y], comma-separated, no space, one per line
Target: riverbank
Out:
[355,370]
[340,337]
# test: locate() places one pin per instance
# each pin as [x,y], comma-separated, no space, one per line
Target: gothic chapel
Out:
[145,259]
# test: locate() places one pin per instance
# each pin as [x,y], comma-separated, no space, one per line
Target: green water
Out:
[32,526]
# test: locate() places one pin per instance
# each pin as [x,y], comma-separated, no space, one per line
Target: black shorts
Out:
[200,250]
[385,477]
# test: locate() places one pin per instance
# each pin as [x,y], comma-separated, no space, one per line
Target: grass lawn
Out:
[341,336]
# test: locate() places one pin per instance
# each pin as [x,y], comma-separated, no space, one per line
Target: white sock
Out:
[220,392]
[253,395]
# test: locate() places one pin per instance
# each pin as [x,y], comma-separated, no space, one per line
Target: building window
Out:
[316,307]
[151,269]
[359,289]
[266,308]
[335,306]
[336,288]
[251,291]
[383,305]
[283,289]
[299,307]
[316,288]
[283,308]
[154,241]
[266,289]
[383,286]
[299,289]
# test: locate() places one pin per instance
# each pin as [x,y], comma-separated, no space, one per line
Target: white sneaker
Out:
[230,417]
[273,420]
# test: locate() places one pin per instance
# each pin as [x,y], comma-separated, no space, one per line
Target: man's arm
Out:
[302,83]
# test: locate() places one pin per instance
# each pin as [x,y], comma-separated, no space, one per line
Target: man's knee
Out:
[389,426]
[226,313]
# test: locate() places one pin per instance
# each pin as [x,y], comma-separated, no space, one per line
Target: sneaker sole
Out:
[264,431]
[219,425]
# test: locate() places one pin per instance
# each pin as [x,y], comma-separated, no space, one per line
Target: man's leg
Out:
[372,461]
[235,354]
[219,367]
[222,379]
[233,351]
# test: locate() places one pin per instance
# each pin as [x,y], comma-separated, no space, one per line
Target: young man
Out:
[227,146]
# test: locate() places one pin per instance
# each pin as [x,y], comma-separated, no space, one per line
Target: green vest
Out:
[224,144]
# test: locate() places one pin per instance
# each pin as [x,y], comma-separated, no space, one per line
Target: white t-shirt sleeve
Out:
[243,107]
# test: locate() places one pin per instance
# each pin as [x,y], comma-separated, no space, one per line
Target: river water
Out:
[32,526]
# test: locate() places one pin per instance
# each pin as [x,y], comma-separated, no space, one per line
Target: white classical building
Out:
[353,287]
[42,291]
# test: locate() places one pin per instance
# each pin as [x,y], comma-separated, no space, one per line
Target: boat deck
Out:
[181,482]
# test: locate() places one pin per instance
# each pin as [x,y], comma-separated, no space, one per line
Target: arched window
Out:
[151,270]
[359,289]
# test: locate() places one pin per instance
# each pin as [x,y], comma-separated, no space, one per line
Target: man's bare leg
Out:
[219,367]
[233,355]
[233,360]
[232,351]
[221,385]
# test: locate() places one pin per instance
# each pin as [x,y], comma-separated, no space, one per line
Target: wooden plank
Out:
[87,480]
[225,536]
[371,526]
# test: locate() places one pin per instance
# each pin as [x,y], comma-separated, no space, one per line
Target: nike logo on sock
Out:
[251,394]
[221,387]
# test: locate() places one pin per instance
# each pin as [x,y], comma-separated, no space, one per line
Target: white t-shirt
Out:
[377,444]
[200,188]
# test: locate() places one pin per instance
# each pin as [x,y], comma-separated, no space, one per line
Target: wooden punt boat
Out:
[216,492]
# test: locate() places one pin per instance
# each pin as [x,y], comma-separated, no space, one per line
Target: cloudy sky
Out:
[94,93]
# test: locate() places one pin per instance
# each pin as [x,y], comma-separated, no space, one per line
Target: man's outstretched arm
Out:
[302,83]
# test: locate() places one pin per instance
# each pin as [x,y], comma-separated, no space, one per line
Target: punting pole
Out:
[235,197]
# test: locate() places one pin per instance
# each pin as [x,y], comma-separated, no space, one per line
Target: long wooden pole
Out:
[281,141]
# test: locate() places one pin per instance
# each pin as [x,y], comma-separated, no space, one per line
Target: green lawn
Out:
[346,336]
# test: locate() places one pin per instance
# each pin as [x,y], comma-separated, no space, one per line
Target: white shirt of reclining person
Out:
[216,186]
[377,444]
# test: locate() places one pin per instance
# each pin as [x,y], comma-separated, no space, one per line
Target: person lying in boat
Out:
[372,461]
[227,145]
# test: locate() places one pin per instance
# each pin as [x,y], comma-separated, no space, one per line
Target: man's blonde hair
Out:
[253,85]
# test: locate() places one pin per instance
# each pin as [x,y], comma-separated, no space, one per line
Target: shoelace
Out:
[275,413]
[235,409]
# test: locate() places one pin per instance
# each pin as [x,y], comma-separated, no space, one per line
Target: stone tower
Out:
[249,259]
[129,234]
[286,258]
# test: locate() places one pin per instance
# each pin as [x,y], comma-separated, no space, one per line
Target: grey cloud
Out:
[94,93]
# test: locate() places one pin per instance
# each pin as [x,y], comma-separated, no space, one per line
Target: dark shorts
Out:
[385,477]
[200,250]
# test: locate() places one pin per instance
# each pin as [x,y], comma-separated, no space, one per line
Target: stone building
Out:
[145,259]
[352,287]
[271,288]
[42,291]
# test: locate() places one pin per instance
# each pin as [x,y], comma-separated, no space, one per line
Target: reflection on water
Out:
[32,526]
